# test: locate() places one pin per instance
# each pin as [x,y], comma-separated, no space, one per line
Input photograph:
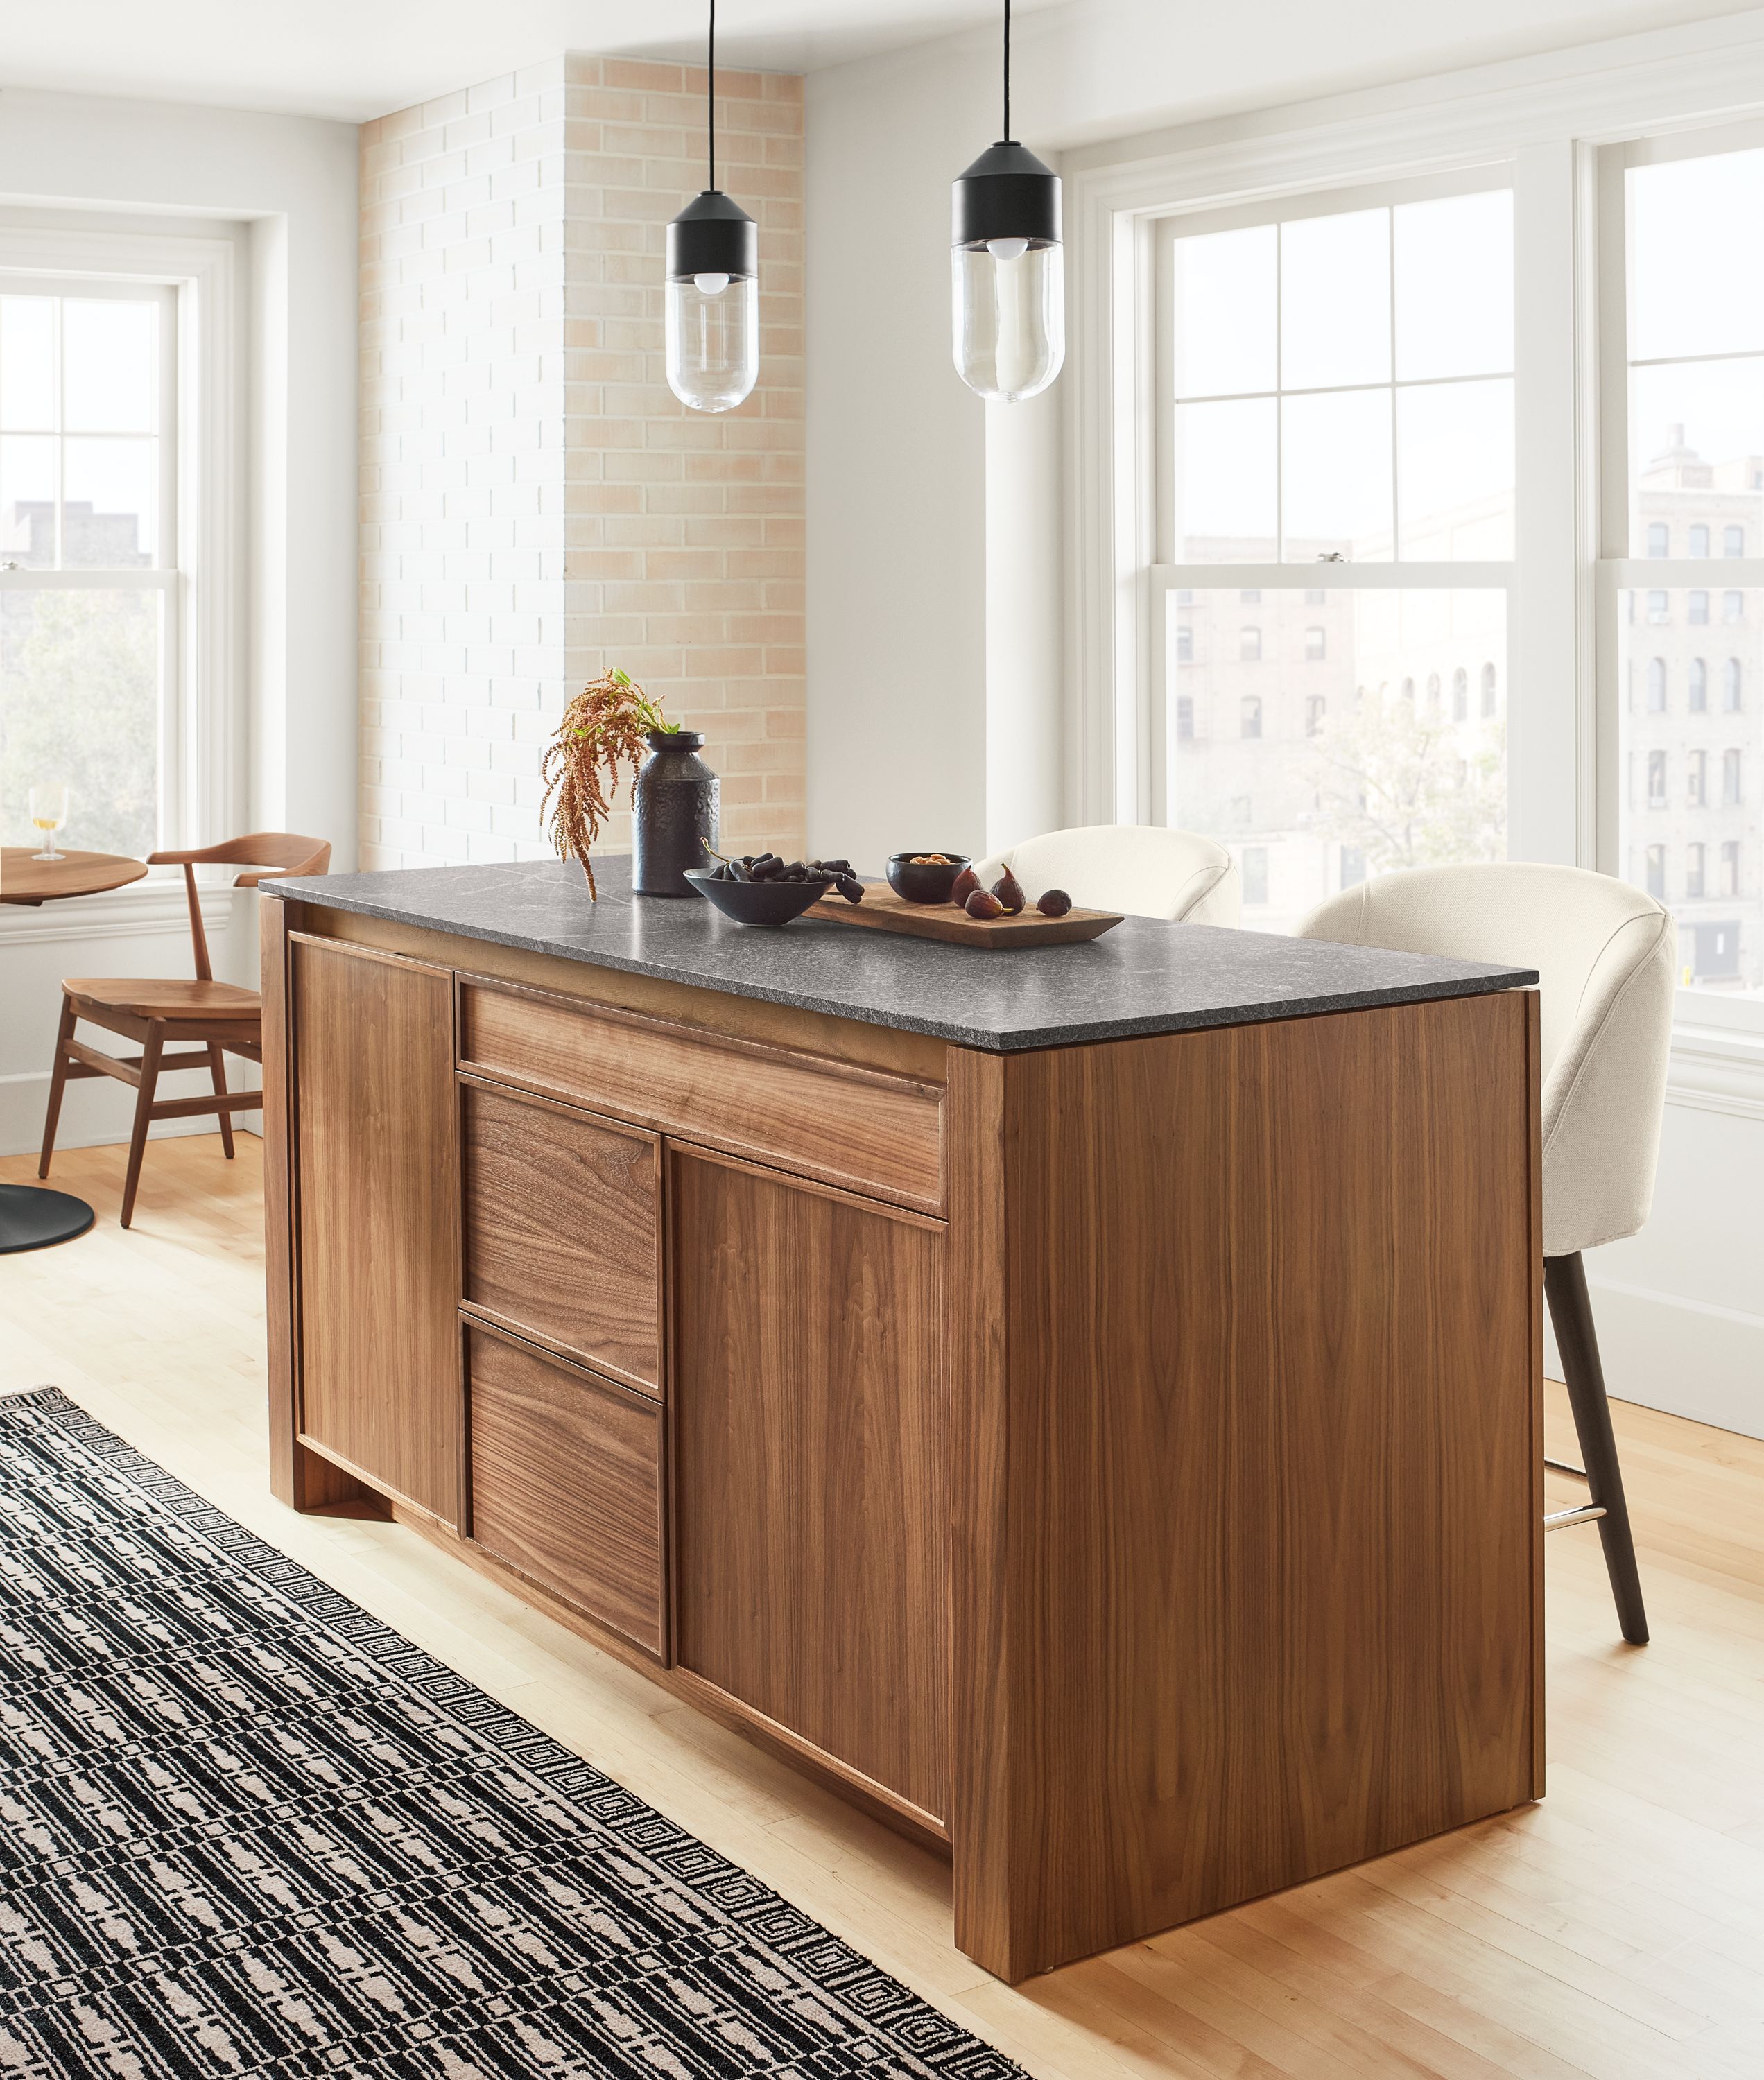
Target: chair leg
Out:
[57,1083]
[217,1066]
[144,1106]
[1571,1310]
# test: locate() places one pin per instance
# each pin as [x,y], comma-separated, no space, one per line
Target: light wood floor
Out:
[1616,1930]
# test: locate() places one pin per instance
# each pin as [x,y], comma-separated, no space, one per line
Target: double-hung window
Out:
[1335,425]
[90,538]
[1681,456]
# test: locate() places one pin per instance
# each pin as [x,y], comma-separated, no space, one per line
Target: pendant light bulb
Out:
[1006,267]
[712,309]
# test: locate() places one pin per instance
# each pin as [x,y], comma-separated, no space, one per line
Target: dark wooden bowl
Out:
[924,884]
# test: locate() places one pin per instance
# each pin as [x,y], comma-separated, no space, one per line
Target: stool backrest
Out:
[1139,868]
[1607,956]
[267,855]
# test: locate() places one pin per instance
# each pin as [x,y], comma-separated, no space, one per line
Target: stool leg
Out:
[217,1067]
[1571,1310]
[57,1083]
[144,1108]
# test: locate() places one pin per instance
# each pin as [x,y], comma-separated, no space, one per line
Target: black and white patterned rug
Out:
[247,1830]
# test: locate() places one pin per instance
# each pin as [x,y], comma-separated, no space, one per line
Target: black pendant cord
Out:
[1005,139]
[710,93]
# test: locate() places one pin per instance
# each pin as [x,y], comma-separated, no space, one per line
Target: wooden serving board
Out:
[882,911]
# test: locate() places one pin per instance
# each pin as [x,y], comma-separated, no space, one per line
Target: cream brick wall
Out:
[536,505]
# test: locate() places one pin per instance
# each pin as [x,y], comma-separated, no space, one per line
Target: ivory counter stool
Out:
[1138,869]
[1607,955]
[220,1018]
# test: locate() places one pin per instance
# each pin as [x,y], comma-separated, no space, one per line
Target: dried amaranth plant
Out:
[602,730]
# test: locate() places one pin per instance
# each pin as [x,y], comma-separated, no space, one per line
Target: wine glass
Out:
[48,814]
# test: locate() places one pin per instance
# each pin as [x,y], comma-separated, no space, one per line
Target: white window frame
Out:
[1153,783]
[200,573]
[1551,118]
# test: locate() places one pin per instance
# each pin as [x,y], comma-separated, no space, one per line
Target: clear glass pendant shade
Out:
[713,339]
[1008,306]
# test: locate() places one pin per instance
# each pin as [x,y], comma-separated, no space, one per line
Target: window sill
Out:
[1717,1061]
[143,908]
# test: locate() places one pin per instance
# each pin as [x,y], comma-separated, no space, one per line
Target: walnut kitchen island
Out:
[1082,1404]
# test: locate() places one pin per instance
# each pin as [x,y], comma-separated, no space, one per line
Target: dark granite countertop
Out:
[1144,976]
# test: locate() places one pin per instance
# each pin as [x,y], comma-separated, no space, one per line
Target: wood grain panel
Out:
[845,1125]
[377,1190]
[299,1478]
[1245,1531]
[810,1416]
[562,1228]
[567,1482]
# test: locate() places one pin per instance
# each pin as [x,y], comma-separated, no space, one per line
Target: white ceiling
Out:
[353,59]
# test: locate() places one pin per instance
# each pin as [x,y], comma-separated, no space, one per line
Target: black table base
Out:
[32,1216]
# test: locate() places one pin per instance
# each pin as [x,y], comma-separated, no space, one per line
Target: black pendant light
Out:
[1007,275]
[713,286]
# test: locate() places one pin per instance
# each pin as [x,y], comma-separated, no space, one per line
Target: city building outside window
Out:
[1733,606]
[1657,609]
[1250,595]
[1693,870]
[1185,644]
[1699,685]
[1656,686]
[1656,779]
[1184,720]
[1697,787]
[1315,596]
[1657,539]
[1249,645]
[1489,698]
[1732,687]
[1696,613]
[1251,724]
[1255,876]
[1730,867]
[1315,709]
[1657,872]
[1731,775]
[1460,695]
[1699,540]
[1733,541]
[1315,645]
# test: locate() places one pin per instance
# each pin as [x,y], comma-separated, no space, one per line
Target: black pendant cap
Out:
[1007,193]
[713,235]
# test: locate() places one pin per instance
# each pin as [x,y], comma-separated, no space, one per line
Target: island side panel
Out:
[1245,1539]
[297,1477]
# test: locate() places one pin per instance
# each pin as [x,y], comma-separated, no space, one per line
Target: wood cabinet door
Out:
[567,1482]
[810,1417]
[562,1229]
[377,1194]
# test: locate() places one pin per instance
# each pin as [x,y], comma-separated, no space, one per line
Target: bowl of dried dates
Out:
[925,876]
[763,889]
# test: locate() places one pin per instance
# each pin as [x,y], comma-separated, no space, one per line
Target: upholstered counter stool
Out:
[1607,956]
[1138,869]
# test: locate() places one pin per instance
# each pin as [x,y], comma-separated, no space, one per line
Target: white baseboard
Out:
[1684,1356]
[97,1113]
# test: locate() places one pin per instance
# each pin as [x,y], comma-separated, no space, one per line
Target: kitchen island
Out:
[1082,1404]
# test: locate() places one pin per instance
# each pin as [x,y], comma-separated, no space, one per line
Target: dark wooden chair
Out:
[220,1018]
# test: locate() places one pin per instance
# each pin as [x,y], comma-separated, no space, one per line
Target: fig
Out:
[966,882]
[1054,903]
[980,904]
[1008,890]
[849,886]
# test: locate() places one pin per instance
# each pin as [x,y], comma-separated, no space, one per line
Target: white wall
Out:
[290,182]
[935,706]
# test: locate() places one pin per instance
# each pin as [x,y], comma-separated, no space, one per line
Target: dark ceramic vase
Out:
[673,814]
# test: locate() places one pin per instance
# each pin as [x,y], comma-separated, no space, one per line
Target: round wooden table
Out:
[32,1217]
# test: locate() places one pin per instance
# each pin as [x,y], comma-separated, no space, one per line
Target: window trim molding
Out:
[208,732]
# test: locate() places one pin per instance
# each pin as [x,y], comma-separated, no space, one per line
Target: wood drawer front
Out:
[567,1482]
[562,1229]
[873,1132]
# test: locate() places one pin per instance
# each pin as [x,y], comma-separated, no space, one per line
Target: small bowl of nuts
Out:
[925,876]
